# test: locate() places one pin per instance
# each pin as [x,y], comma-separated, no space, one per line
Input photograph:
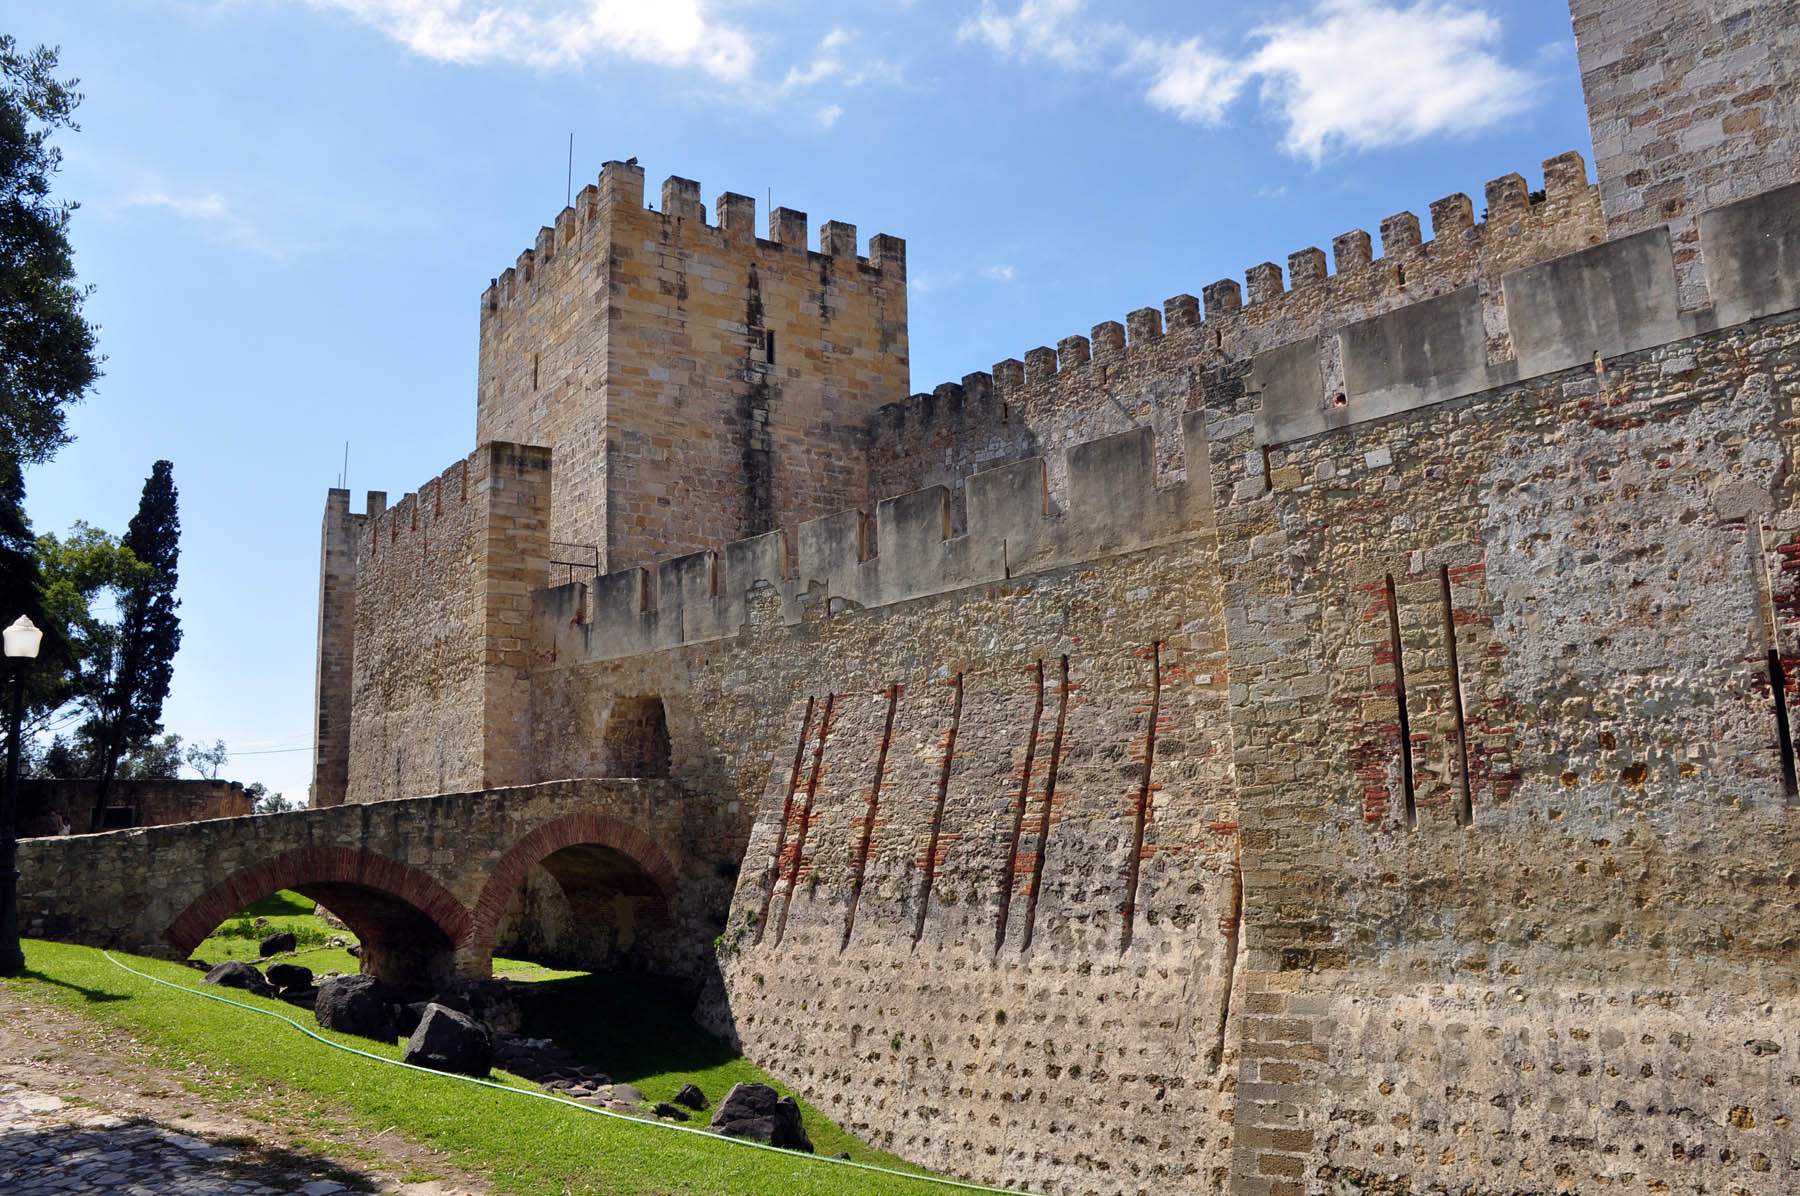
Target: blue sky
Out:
[290,209]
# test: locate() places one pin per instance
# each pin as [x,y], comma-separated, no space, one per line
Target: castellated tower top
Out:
[694,382]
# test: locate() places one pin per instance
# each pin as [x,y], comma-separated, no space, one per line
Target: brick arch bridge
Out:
[424,882]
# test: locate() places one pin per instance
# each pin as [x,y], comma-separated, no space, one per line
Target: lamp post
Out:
[21,642]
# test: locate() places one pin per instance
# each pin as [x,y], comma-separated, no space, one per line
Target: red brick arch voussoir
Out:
[319,865]
[573,830]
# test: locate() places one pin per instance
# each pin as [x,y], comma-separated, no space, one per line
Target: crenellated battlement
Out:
[685,370]
[906,551]
[683,219]
[419,511]
[1233,319]
[1577,309]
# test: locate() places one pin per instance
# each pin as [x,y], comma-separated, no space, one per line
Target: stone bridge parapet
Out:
[424,882]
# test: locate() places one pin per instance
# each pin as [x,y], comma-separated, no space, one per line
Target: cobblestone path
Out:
[48,1145]
[86,1109]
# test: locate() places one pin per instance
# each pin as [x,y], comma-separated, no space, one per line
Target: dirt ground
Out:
[276,1138]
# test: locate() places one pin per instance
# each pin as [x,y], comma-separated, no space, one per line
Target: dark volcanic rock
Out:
[489,1001]
[289,975]
[235,973]
[757,1112]
[275,944]
[359,1005]
[692,1097]
[450,1041]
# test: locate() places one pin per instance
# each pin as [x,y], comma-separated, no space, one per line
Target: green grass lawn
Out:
[531,1147]
[635,1028]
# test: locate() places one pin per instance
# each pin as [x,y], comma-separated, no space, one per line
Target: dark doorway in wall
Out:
[636,741]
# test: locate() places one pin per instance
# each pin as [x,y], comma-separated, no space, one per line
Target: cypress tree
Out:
[149,633]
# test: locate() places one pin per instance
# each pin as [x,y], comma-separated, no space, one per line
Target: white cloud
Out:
[215,215]
[830,63]
[1349,74]
[560,33]
[1191,81]
[828,115]
[1361,74]
[1039,29]
[999,273]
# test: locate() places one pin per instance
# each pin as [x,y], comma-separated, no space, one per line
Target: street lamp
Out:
[21,642]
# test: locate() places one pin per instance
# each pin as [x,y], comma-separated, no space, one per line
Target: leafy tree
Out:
[47,351]
[129,710]
[207,761]
[265,801]
[157,756]
[83,580]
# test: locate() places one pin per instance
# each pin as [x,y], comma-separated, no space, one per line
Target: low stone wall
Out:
[152,801]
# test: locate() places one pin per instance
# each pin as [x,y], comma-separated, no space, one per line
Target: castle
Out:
[1329,734]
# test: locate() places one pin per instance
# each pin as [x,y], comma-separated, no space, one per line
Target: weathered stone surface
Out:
[275,944]
[758,1112]
[359,1005]
[691,1096]
[235,973]
[491,1002]
[446,1040]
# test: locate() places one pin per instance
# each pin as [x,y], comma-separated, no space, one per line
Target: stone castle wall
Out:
[441,692]
[1584,532]
[1146,372]
[1694,104]
[695,383]
[1329,738]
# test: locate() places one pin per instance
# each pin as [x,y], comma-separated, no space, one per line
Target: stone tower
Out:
[694,382]
[1694,104]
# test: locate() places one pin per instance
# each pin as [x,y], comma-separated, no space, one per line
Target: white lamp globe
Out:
[22,639]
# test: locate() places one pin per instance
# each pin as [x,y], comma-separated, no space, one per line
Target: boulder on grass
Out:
[235,973]
[450,1041]
[275,944]
[692,1097]
[758,1112]
[490,1001]
[359,1005]
[289,975]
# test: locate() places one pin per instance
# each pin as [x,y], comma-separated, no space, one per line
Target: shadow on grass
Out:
[633,1026]
[94,996]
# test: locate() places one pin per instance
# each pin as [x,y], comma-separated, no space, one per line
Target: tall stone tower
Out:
[694,382]
[1694,104]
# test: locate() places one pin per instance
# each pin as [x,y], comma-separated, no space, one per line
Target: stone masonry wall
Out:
[1146,372]
[695,382]
[1569,968]
[1694,104]
[425,882]
[441,691]
[339,537]
[995,1026]
[155,801]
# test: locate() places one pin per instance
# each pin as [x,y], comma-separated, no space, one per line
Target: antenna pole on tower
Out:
[569,185]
